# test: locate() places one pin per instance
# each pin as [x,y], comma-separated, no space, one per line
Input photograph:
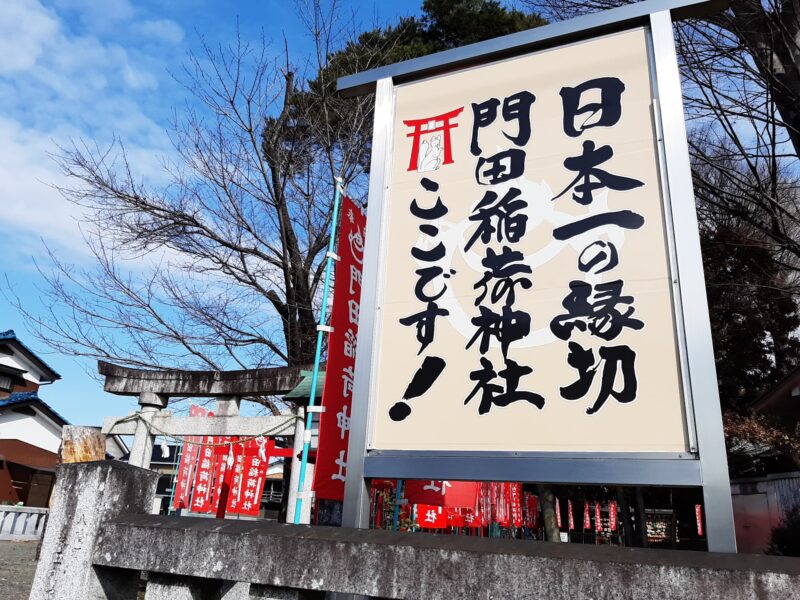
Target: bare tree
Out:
[220,267]
[741,75]
[762,37]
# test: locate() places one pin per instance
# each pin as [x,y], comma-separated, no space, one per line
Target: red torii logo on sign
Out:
[431,159]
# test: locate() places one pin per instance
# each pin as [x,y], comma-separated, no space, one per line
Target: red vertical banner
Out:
[698,515]
[334,425]
[485,504]
[420,491]
[598,520]
[500,493]
[612,515]
[531,503]
[248,479]
[204,476]
[190,454]
[587,521]
[570,518]
[224,460]
[558,513]
[515,500]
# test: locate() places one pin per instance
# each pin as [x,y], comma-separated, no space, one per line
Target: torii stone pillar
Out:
[143,439]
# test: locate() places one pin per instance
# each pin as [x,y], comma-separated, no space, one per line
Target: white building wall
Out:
[18,361]
[35,430]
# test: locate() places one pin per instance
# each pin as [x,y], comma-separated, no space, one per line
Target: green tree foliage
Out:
[444,24]
[753,319]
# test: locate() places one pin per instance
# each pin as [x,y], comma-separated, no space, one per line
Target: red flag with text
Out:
[334,424]
[190,454]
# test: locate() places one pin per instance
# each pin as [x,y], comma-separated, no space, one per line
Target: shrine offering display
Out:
[221,474]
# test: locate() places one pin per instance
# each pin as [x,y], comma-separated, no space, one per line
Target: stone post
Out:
[85,496]
[82,444]
[143,440]
[299,433]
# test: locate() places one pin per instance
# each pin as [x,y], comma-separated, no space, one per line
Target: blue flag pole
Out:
[322,328]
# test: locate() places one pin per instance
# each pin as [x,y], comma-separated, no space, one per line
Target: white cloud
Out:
[25,27]
[97,14]
[31,207]
[57,84]
[163,30]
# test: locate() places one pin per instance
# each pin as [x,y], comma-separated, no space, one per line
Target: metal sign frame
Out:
[705,464]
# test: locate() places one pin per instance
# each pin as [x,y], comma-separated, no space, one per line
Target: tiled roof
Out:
[10,336]
[303,389]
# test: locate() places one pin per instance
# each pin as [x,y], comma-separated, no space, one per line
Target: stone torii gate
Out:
[154,388]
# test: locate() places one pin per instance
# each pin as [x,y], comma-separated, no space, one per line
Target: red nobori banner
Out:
[204,476]
[248,480]
[334,425]
[188,464]
[515,501]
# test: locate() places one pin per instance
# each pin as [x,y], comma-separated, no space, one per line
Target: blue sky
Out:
[93,70]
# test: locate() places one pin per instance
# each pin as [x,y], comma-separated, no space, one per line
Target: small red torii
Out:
[431,125]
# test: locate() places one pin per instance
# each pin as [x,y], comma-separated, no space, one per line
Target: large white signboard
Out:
[526,297]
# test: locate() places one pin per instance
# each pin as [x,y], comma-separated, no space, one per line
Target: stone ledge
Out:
[424,566]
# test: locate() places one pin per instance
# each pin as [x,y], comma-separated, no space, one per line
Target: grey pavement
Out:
[17,565]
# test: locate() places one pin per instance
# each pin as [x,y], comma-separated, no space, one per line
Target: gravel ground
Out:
[17,565]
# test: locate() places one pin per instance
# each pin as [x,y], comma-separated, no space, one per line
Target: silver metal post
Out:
[356,495]
[697,327]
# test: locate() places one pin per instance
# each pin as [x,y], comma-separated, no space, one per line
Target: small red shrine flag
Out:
[698,515]
[472,519]
[570,518]
[431,517]
[455,518]
[531,510]
[587,522]
[598,521]
[612,515]
[558,513]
